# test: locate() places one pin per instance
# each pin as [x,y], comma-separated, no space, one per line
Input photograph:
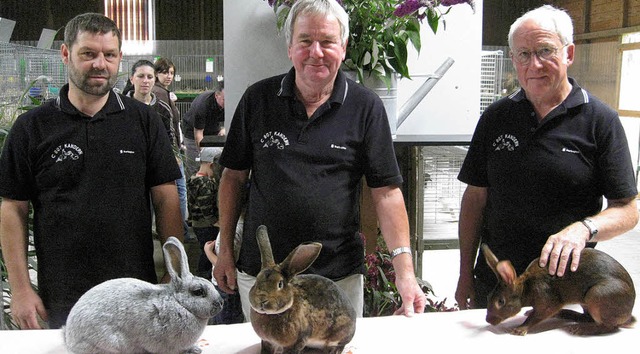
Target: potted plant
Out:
[381,297]
[380,31]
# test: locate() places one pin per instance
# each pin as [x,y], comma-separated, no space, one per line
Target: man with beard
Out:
[89,164]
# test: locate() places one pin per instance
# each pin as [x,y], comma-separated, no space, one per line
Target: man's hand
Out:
[465,294]
[413,298]
[568,243]
[27,308]
[225,273]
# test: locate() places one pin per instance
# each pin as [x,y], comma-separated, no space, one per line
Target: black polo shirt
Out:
[306,171]
[543,176]
[88,179]
[204,113]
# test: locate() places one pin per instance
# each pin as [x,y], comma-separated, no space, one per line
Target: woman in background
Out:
[165,71]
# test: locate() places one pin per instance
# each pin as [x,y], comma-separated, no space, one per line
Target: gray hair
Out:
[317,7]
[93,23]
[549,18]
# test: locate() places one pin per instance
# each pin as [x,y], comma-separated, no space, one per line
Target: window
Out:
[629,86]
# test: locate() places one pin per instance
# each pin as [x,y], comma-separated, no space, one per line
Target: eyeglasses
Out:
[543,54]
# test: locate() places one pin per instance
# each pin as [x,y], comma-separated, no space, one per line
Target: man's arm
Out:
[230,192]
[394,225]
[166,205]
[620,216]
[26,305]
[198,134]
[472,207]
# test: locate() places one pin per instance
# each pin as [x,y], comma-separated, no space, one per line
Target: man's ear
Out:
[571,51]
[65,52]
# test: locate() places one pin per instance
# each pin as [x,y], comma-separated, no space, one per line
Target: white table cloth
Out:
[450,332]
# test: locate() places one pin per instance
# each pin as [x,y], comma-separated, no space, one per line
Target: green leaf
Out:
[433,18]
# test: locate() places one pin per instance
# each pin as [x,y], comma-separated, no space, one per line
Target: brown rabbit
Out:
[601,286]
[290,312]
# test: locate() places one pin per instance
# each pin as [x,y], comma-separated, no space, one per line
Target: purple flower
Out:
[408,7]
[456,2]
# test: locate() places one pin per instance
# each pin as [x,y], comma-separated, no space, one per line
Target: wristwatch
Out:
[399,251]
[591,226]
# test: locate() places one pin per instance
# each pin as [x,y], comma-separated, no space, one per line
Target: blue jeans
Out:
[181,183]
[231,309]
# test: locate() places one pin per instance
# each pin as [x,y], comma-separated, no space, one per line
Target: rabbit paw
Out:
[520,331]
[590,329]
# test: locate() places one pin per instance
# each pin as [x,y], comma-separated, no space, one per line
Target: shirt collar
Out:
[114,103]
[340,87]
[576,97]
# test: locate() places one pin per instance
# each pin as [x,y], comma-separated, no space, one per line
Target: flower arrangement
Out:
[381,297]
[381,30]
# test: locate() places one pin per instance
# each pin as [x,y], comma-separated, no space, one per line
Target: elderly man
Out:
[307,137]
[539,164]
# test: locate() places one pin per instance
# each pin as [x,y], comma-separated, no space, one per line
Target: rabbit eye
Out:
[280,284]
[501,302]
[199,291]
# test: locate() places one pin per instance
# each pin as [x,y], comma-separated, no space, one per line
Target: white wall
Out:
[632,130]
[453,105]
[254,50]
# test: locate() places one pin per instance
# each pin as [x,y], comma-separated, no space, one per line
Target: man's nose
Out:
[316,50]
[99,62]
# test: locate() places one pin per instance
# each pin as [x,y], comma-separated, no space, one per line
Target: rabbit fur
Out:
[127,315]
[600,285]
[290,312]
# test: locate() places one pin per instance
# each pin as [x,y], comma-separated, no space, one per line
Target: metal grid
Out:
[197,72]
[28,72]
[442,191]
[490,78]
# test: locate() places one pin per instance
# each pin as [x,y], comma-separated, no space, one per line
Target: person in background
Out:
[204,117]
[203,203]
[307,138]
[165,71]
[540,162]
[142,80]
[90,164]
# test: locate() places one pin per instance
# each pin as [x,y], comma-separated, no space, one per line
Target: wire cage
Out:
[197,73]
[490,77]
[27,74]
[442,191]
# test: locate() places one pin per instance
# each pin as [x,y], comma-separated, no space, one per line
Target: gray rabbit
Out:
[133,316]
[290,312]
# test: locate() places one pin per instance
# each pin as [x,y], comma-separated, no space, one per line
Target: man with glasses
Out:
[540,162]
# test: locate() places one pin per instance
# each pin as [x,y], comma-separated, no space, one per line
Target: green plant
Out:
[381,297]
[381,30]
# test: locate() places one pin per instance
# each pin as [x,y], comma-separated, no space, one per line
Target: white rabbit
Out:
[129,315]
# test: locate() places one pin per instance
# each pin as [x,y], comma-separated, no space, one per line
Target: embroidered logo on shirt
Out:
[334,146]
[506,142]
[277,139]
[66,152]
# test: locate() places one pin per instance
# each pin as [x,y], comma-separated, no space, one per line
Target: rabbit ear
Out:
[266,255]
[491,258]
[175,259]
[300,258]
[506,272]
